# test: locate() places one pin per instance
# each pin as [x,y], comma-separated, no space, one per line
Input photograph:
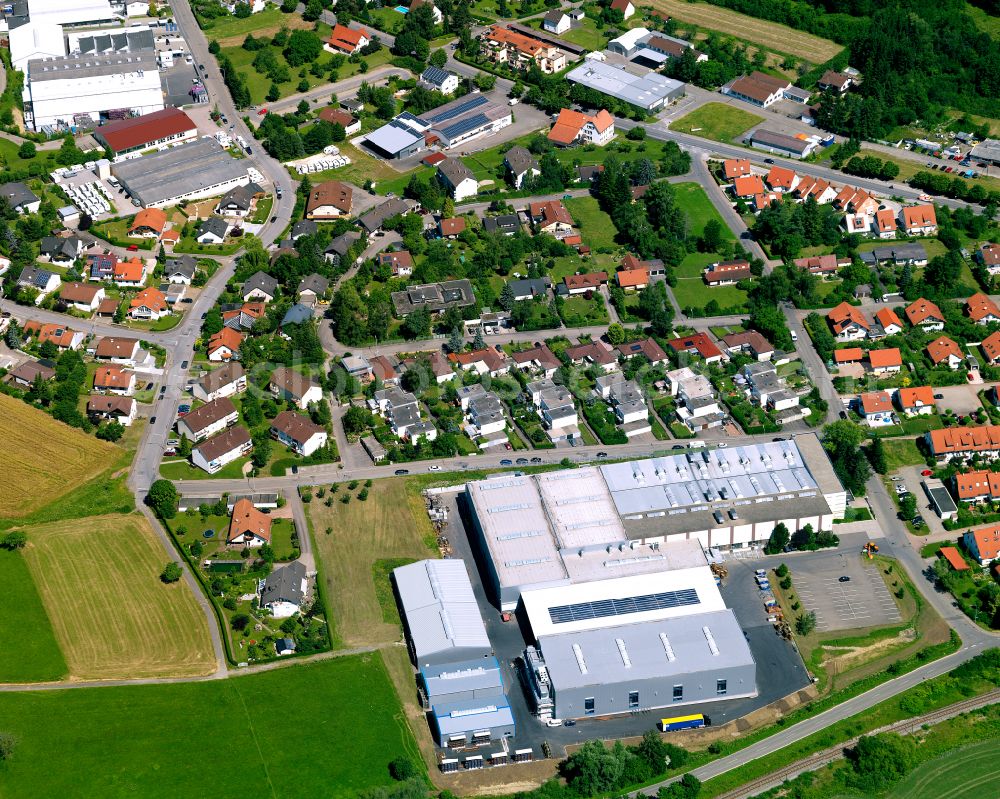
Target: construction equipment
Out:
[719,570]
[869,549]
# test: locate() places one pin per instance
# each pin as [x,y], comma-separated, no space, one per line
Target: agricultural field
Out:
[967,773]
[717,121]
[44,459]
[324,729]
[113,618]
[771,35]
[36,657]
[350,538]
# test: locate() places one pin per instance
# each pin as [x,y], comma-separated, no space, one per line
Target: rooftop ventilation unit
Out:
[579,658]
[733,514]
[624,653]
[711,640]
[671,657]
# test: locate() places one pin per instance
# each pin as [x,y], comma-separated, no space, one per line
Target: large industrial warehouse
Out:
[192,171]
[460,679]
[588,524]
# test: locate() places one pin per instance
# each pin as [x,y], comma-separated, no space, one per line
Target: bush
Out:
[171,573]
[402,768]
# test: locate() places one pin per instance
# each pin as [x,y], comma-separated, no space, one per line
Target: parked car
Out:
[506,462]
[536,460]
[184,364]
[939,396]
[768,160]
[401,472]
[521,461]
[434,468]
[845,579]
[602,454]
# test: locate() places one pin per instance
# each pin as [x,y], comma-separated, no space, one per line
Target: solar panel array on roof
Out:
[464,125]
[454,109]
[606,608]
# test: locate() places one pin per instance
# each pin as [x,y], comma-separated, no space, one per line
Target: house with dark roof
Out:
[284,590]
[520,165]
[20,198]
[457,179]
[41,280]
[439,80]
[260,286]
[372,221]
[60,250]
[340,247]
[297,314]
[111,408]
[239,200]
[26,374]
[225,381]
[529,288]
[288,384]
[556,21]
[508,224]
[212,231]
[312,287]
[298,433]
[226,447]
[180,270]
[208,419]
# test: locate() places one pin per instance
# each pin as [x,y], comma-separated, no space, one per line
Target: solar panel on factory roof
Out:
[604,608]
[464,125]
[455,109]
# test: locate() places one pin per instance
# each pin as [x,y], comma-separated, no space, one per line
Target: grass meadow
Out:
[31,653]
[717,121]
[325,729]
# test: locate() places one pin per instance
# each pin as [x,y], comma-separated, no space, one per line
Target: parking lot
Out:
[861,601]
[177,81]
[87,191]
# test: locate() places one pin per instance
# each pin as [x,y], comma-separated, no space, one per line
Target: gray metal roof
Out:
[780,140]
[639,651]
[177,171]
[215,225]
[643,91]
[18,194]
[90,66]
[284,585]
[440,609]
[481,675]
[472,715]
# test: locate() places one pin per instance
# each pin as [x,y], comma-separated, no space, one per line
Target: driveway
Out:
[960,399]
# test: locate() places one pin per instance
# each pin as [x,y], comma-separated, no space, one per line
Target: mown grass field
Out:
[971,772]
[230,31]
[31,654]
[327,729]
[112,616]
[43,458]
[717,121]
[387,525]
[596,227]
[699,209]
[771,35]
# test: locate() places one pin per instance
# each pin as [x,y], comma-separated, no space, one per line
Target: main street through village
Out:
[180,342]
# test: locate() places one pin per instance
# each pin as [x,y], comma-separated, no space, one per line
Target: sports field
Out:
[113,618]
[32,654]
[327,729]
[972,772]
[387,525]
[771,35]
[717,121]
[43,458]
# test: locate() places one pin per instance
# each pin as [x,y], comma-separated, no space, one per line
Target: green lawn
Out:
[596,227]
[692,198]
[694,264]
[959,774]
[31,653]
[691,292]
[583,33]
[717,121]
[228,25]
[581,312]
[182,470]
[327,729]
[900,453]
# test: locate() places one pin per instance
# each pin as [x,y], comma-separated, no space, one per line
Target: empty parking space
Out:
[862,600]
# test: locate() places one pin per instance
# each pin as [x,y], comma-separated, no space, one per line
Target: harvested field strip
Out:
[33,654]
[113,617]
[771,35]
[43,458]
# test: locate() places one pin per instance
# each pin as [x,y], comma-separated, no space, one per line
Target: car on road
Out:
[152,420]
[795,336]
[401,472]
[926,473]
[939,396]
[567,196]
[768,160]
[506,462]
[569,723]
[295,468]
[521,461]
[262,112]
[162,389]
[843,414]
[184,364]
[434,468]
[204,314]
[677,446]
[133,248]
[723,445]
[536,460]
[779,438]
[602,454]
[274,219]
[844,579]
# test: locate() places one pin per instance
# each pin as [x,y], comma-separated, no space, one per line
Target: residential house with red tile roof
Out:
[766,200]
[748,186]
[248,526]
[945,351]
[981,309]
[823,265]
[848,355]
[58,334]
[581,284]
[572,127]
[889,321]
[983,544]
[919,220]
[114,380]
[991,348]
[735,167]
[646,347]
[962,442]
[224,345]
[782,179]
[698,344]
[989,256]
[725,273]
[148,223]
[489,360]
[886,361]
[976,486]
[876,407]
[633,279]
[848,323]
[148,304]
[915,400]
[885,225]
[551,217]
[346,40]
[925,314]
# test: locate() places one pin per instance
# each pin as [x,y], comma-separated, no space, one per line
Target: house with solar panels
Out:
[459,678]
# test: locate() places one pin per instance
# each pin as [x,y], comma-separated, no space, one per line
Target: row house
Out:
[698,407]
[555,407]
[976,486]
[963,442]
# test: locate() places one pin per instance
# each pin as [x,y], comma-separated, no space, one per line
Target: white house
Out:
[213,231]
[226,447]
[287,384]
[298,433]
[209,419]
[440,80]
[556,22]
[284,590]
[222,382]
[41,280]
[457,179]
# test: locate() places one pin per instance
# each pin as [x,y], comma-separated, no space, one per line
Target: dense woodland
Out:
[917,57]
